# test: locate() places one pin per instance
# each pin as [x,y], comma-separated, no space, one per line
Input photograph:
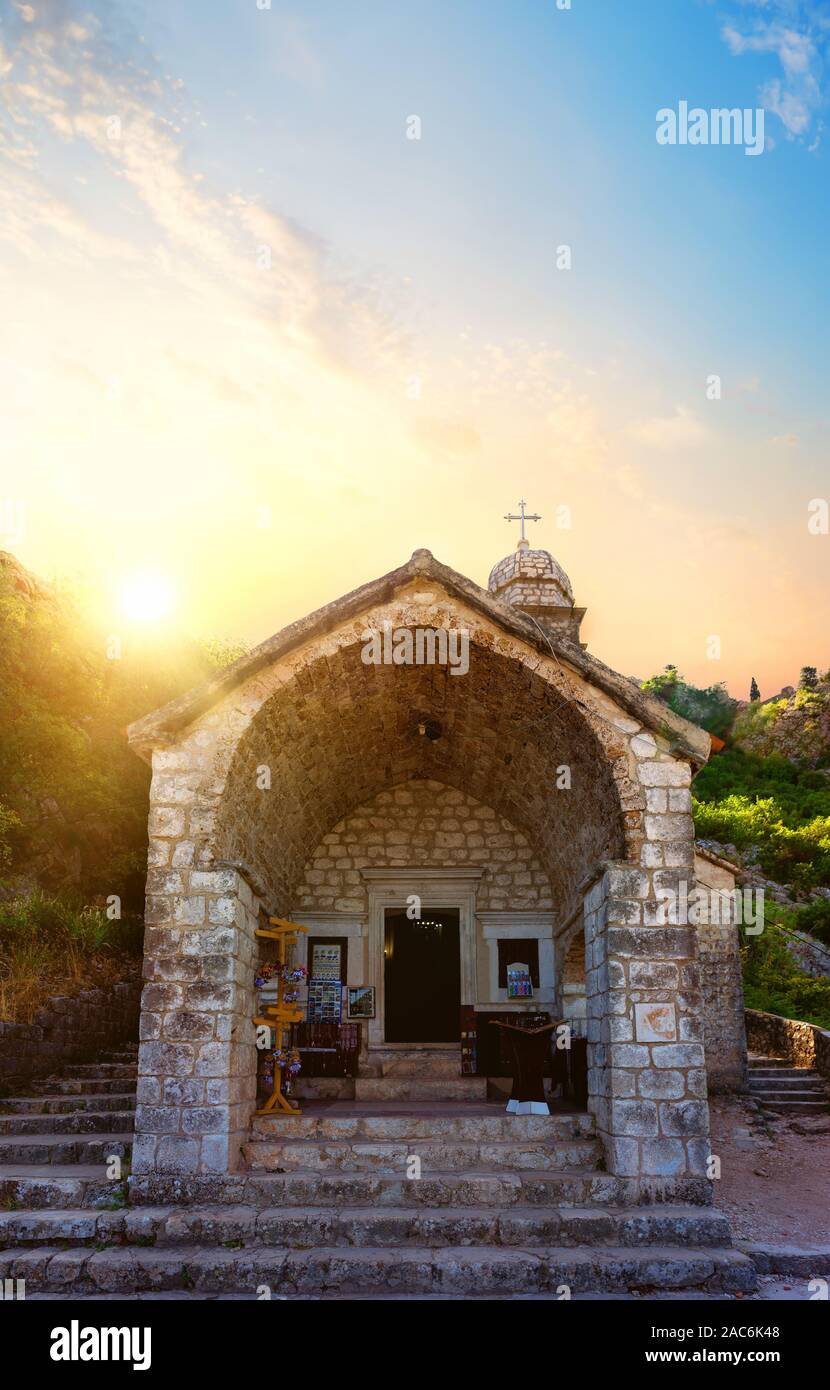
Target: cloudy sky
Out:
[259,343]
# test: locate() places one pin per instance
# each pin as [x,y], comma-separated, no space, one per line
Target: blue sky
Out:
[432,260]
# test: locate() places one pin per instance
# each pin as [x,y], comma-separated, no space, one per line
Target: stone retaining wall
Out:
[774,1036]
[69,1029]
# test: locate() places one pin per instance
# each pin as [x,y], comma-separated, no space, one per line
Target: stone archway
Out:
[250,778]
[341,731]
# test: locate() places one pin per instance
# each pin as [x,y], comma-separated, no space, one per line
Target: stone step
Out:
[492,1124]
[416,1088]
[323,1088]
[781,1074]
[801,1093]
[786,1083]
[42,1149]
[106,1071]
[65,1105]
[303,1228]
[468,1271]
[798,1107]
[58,1186]
[567,1187]
[78,1122]
[424,1063]
[344,1087]
[81,1086]
[394,1155]
[758,1061]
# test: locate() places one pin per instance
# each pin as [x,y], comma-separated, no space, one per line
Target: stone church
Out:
[426,741]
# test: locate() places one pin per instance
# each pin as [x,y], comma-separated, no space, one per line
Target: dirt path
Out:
[775,1173]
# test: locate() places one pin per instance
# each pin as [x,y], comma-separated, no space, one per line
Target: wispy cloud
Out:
[67,78]
[797,34]
[682,430]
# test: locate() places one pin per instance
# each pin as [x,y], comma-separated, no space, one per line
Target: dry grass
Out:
[26,983]
[49,947]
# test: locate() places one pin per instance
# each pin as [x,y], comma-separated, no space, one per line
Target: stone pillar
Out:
[646,1077]
[197,1056]
[721,981]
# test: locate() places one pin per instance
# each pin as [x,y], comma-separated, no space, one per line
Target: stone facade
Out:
[302,738]
[424,822]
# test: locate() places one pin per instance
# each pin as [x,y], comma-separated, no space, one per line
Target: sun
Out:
[147,597]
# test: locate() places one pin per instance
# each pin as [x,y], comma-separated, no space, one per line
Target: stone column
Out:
[646,1078]
[197,1056]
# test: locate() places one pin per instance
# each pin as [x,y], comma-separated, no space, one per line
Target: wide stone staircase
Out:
[779,1086]
[411,1195]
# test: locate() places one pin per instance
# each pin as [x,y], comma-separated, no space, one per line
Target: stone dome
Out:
[531,577]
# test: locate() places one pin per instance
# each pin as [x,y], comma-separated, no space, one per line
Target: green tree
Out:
[808,679]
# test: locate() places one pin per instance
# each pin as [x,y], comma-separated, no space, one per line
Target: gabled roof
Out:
[686,739]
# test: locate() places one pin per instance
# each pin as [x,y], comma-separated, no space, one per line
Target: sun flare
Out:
[147,598]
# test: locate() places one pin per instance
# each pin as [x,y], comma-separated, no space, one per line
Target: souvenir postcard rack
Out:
[282,1014]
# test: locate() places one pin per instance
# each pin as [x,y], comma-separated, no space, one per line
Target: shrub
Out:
[798,855]
[773,983]
[9,822]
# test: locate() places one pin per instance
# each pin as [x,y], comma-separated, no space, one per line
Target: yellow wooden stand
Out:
[280,1016]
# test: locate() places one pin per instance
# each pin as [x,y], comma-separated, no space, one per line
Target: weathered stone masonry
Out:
[197,1058]
[68,1029]
[338,736]
[424,822]
[721,981]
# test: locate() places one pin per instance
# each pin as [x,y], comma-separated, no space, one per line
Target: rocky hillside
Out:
[793,725]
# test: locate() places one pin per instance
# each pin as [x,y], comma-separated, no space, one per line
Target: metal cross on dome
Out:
[522,517]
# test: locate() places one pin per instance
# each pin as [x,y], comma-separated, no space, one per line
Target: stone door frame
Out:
[437,888]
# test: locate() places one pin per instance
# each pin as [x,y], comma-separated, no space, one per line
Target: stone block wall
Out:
[197,1058]
[647,1078]
[721,983]
[69,1029]
[424,822]
[571,977]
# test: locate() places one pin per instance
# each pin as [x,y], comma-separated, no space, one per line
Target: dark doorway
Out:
[422,976]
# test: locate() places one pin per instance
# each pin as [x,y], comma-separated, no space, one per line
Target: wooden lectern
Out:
[529,1049]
